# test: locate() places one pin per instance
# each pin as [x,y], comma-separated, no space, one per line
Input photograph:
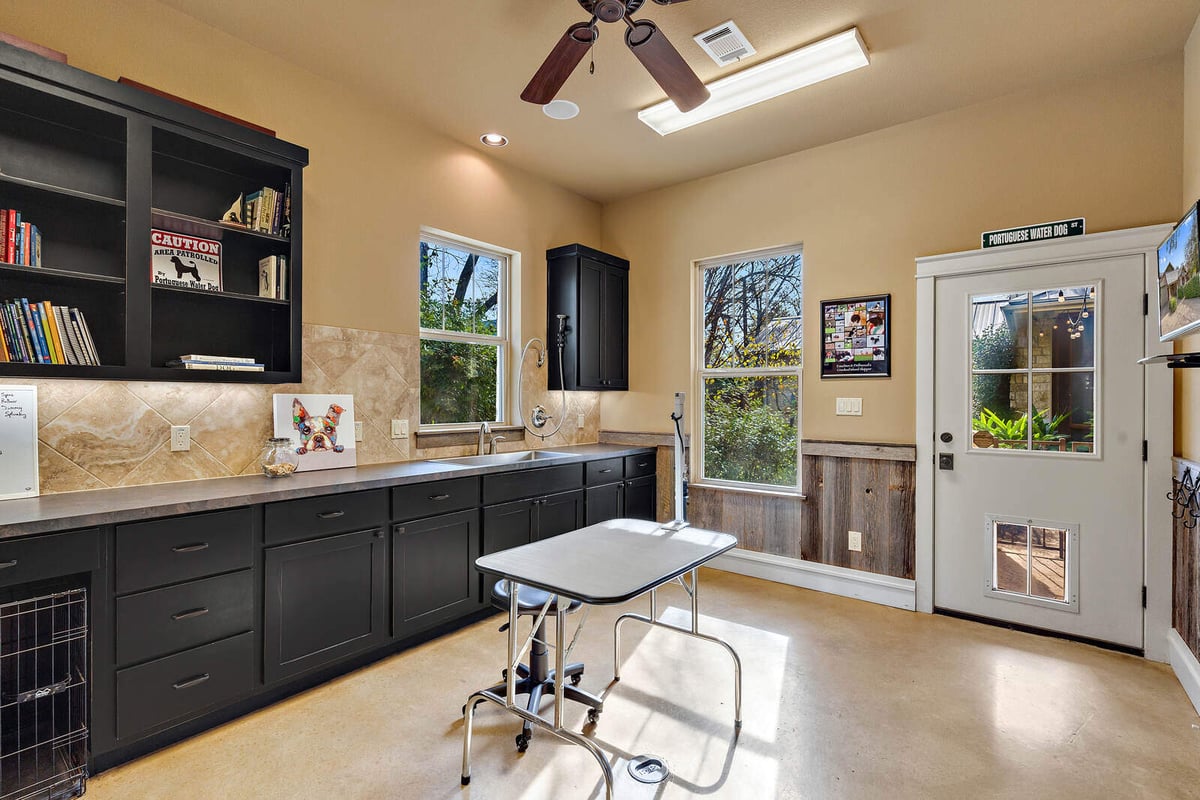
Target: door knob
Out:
[947,437]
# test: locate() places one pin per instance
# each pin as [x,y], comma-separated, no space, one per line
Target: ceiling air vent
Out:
[725,43]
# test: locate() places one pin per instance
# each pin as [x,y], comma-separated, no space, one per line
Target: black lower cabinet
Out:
[604,502]
[433,580]
[641,498]
[513,524]
[324,599]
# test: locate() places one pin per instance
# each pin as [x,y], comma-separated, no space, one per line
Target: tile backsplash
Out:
[96,434]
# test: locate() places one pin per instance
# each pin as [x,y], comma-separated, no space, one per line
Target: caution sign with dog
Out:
[182,261]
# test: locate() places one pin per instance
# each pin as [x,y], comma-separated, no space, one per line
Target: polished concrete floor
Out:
[843,699]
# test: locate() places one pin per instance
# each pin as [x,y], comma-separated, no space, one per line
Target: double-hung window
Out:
[464,330]
[750,356]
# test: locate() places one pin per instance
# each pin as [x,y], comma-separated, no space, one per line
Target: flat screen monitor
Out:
[1179,280]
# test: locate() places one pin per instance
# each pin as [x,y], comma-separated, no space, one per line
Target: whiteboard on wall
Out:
[18,442]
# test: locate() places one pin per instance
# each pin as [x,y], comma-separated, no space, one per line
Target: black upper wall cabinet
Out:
[592,289]
[95,165]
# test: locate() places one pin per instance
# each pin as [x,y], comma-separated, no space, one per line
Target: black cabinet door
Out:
[433,571]
[641,498]
[505,525]
[604,503]
[614,329]
[589,330]
[559,513]
[324,600]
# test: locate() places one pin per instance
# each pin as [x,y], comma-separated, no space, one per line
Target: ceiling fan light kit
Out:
[806,66]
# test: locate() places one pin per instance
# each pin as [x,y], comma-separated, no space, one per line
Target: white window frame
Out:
[703,373]
[507,259]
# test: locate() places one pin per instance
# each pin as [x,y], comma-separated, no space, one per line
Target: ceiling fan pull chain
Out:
[592,55]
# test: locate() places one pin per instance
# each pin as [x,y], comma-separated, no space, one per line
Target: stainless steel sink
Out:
[496,459]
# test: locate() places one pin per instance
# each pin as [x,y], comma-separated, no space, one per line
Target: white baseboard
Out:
[882,589]
[1187,668]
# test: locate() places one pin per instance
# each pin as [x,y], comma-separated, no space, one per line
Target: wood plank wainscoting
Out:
[1186,569]
[847,486]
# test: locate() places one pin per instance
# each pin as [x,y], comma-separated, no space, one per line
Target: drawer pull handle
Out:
[643,464]
[439,497]
[606,471]
[7,564]
[188,683]
[195,612]
[190,548]
[331,514]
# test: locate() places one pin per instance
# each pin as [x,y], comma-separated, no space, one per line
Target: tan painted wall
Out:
[1107,148]
[375,177]
[1187,381]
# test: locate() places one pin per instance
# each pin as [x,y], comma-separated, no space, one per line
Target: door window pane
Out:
[998,331]
[1064,412]
[750,429]
[995,423]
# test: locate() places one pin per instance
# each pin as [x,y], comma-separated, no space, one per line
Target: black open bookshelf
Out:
[97,164]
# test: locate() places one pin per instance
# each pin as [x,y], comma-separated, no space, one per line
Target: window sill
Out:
[719,487]
[450,437]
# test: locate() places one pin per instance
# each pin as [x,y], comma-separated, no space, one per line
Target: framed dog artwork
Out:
[321,427]
[856,337]
[185,262]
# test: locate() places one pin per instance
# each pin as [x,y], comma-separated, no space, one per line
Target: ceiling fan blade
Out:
[665,65]
[561,62]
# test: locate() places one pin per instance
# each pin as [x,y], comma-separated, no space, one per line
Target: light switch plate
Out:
[181,438]
[849,406]
[579,423]
[358,432]
[399,429]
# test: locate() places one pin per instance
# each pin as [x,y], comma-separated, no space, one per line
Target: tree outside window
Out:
[752,339]
[463,332]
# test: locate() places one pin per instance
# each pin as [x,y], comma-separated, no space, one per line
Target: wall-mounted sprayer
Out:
[538,417]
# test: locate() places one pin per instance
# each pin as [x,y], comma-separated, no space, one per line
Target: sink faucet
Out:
[484,430]
[492,444]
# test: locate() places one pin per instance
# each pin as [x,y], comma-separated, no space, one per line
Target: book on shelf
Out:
[266,210]
[281,278]
[10,237]
[285,223]
[268,277]
[194,365]
[20,240]
[40,332]
[217,359]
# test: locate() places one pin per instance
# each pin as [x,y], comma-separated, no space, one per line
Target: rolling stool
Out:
[537,678]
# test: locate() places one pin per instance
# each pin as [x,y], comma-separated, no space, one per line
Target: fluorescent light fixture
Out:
[814,63]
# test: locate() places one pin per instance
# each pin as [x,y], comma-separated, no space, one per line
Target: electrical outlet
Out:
[181,438]
[849,406]
[358,433]
[581,421]
[856,541]
[399,429]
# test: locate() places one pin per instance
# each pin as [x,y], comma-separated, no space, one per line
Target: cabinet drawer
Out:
[640,466]
[163,551]
[174,688]
[607,470]
[528,483]
[39,557]
[434,498]
[163,621]
[294,520]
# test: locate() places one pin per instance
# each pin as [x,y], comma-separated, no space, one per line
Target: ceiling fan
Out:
[648,43]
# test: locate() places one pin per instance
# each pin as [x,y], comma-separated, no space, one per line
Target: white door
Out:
[1038,519]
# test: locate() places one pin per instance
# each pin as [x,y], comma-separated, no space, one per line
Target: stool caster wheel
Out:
[576,678]
[522,742]
[593,716]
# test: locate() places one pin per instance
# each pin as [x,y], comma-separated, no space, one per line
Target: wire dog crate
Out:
[43,697]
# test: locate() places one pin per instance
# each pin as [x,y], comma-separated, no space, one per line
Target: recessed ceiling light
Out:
[819,61]
[494,139]
[561,109]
